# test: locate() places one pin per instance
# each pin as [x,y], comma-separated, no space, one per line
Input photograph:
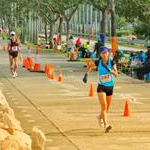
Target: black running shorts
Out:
[105,89]
[13,54]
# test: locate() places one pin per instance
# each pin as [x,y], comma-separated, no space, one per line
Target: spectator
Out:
[85,50]
[97,47]
[70,45]
[145,69]
[55,43]
[47,44]
[142,57]
[78,43]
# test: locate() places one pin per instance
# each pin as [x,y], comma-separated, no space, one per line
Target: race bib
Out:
[14,48]
[105,78]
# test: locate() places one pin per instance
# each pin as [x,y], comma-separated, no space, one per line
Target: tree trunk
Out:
[45,31]
[68,30]
[60,27]
[51,32]
[36,31]
[2,22]
[23,33]
[113,19]
[104,20]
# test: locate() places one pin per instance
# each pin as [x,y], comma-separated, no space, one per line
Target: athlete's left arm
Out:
[114,71]
[19,45]
[8,47]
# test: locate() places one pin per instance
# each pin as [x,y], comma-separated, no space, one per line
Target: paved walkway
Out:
[65,112]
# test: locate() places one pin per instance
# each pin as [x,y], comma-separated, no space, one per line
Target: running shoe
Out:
[15,74]
[108,128]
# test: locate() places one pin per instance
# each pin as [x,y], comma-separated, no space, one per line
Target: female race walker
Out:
[13,48]
[106,70]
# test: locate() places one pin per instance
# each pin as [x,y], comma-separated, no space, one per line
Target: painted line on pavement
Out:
[53,148]
[31,121]
[27,115]
[24,111]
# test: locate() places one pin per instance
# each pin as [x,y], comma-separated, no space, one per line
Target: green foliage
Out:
[4,35]
[143,31]
[100,4]
[136,11]
[121,22]
[124,32]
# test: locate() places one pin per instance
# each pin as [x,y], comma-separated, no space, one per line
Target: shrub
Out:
[124,32]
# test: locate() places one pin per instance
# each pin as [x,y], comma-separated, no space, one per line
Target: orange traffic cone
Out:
[126,109]
[31,63]
[51,74]
[60,77]
[73,56]
[37,65]
[26,63]
[4,47]
[91,92]
[46,69]
[50,71]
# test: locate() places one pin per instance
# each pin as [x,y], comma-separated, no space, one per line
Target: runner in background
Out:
[13,47]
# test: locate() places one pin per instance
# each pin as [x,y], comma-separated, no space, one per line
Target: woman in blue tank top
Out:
[106,71]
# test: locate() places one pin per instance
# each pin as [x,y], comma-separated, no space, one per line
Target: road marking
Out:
[14,99]
[53,148]
[23,110]
[131,98]
[31,121]
[6,90]
[136,102]
[19,107]
[8,93]
[10,96]
[118,87]
[27,115]
[37,127]
[16,103]
[69,86]
[49,140]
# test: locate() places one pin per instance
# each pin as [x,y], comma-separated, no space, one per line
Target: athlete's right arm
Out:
[85,78]
[8,47]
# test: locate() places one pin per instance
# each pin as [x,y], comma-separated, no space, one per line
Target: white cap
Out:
[12,33]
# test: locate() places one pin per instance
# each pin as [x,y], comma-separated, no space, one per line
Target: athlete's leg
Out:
[103,103]
[108,100]
[16,64]
[11,63]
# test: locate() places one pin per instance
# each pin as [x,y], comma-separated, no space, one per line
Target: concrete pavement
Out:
[65,113]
